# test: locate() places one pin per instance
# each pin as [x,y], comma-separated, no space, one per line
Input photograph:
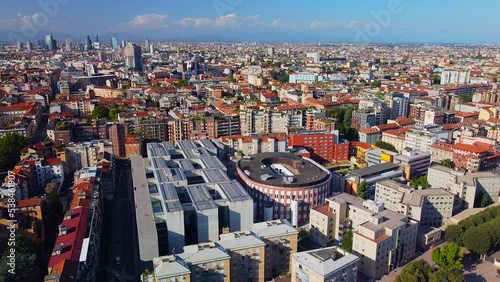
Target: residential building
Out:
[247,254]
[455,77]
[320,223]
[441,150]
[430,207]
[87,154]
[468,187]
[474,157]
[154,129]
[422,139]
[370,135]
[170,268]
[253,144]
[383,239]
[395,137]
[206,262]
[323,146]
[281,241]
[77,247]
[324,265]
[44,171]
[117,133]
[363,119]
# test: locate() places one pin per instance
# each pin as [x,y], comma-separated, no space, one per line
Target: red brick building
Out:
[323,146]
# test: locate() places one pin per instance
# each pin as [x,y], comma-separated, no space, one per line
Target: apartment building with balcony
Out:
[413,163]
[206,262]
[281,241]
[247,254]
[383,239]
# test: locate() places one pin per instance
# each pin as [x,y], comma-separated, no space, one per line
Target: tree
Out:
[376,84]
[100,112]
[303,233]
[449,255]
[446,274]
[10,149]
[454,233]
[364,190]
[447,163]
[284,78]
[485,201]
[26,264]
[466,98]
[420,182]
[417,80]
[386,146]
[346,241]
[181,83]
[415,271]
[476,241]
[348,118]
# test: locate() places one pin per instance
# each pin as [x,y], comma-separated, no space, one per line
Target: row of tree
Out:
[422,271]
[479,233]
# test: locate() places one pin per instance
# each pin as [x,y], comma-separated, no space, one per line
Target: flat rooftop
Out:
[326,261]
[146,226]
[283,170]
[374,169]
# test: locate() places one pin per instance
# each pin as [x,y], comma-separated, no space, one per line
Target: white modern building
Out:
[183,196]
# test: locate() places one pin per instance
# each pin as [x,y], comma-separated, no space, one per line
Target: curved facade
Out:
[284,185]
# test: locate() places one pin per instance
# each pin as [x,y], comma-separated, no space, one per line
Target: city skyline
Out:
[236,20]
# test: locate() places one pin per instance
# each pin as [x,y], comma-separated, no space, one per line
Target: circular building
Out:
[284,185]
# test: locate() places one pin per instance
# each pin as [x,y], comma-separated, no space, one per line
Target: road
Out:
[123,240]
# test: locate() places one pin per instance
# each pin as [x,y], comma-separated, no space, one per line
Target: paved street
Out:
[123,236]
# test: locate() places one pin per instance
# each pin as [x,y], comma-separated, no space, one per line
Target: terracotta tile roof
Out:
[476,148]
[324,209]
[360,144]
[370,130]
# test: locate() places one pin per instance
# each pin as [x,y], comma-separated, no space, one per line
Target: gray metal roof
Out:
[169,194]
[374,169]
[202,200]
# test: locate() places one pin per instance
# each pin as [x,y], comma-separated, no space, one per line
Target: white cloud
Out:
[223,22]
[146,21]
[197,22]
[276,23]
[325,24]
[21,21]
[355,23]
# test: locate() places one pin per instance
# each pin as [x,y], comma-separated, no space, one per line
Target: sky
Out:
[360,21]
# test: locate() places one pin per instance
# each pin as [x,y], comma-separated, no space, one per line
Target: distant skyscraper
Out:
[146,44]
[50,42]
[29,46]
[20,46]
[88,43]
[151,48]
[68,45]
[270,51]
[40,44]
[97,38]
[123,44]
[133,57]
[114,43]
